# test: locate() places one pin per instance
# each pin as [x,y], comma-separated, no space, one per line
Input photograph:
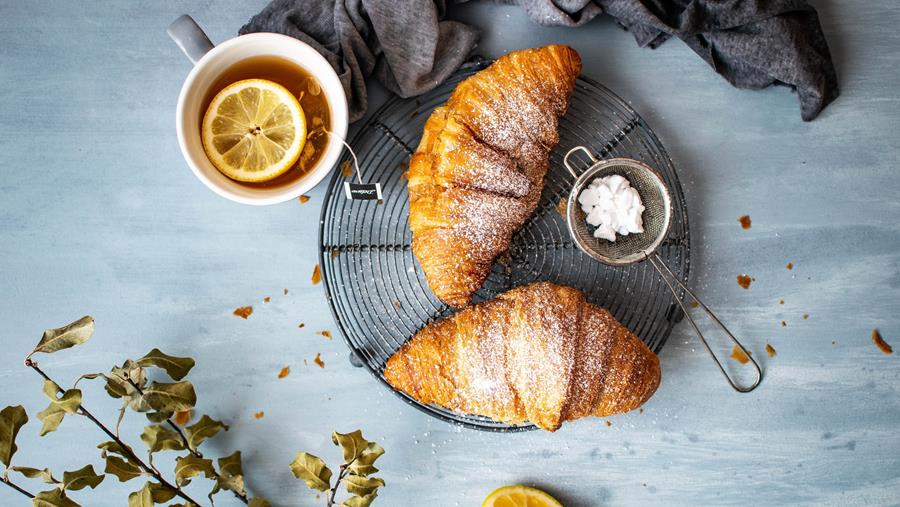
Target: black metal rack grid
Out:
[376,289]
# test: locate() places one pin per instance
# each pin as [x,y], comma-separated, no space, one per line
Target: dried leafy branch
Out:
[355,471]
[159,401]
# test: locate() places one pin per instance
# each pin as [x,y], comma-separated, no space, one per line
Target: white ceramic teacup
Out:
[209,63]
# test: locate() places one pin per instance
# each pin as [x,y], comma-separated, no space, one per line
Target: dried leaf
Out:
[259,502]
[53,415]
[363,470]
[206,427]
[141,498]
[362,486]
[159,438]
[160,493]
[81,478]
[312,470]
[112,447]
[164,397]
[68,402]
[34,473]
[176,367]
[182,417]
[122,469]
[357,451]
[360,501]
[231,474]
[12,419]
[52,498]
[117,382]
[159,417]
[190,466]
[67,336]
[88,376]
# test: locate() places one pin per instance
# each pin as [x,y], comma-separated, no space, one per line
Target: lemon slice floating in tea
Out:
[519,496]
[254,130]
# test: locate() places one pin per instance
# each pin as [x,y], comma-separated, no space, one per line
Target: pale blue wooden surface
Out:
[99,214]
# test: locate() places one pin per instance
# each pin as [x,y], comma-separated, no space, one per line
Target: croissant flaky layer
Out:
[538,353]
[479,169]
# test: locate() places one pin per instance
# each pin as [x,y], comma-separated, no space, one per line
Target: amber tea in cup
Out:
[308,92]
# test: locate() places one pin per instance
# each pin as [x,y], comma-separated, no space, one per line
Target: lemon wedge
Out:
[254,130]
[519,496]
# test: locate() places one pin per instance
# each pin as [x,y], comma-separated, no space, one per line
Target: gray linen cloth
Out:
[410,48]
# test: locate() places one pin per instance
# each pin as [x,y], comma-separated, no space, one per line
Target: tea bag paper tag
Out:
[359,191]
[363,191]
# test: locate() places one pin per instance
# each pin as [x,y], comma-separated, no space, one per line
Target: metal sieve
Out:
[657,218]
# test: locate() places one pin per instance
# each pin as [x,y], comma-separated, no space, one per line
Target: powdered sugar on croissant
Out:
[478,172]
[538,353]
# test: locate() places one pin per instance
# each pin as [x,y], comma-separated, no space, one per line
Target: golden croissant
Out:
[478,172]
[538,353]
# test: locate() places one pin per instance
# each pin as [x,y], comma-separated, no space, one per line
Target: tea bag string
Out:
[341,139]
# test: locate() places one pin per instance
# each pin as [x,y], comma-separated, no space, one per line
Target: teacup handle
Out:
[189,37]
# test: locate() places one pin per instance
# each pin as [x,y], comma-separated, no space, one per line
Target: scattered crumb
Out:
[334,254]
[346,169]
[317,275]
[641,410]
[285,292]
[326,333]
[305,362]
[783,324]
[805,316]
[318,361]
[182,417]
[243,312]
[608,424]
[259,415]
[303,199]
[738,355]
[397,305]
[694,304]
[781,301]
[833,342]
[790,265]
[266,299]
[880,343]
[744,281]
[301,325]
[284,372]
[561,207]
[745,221]
[770,350]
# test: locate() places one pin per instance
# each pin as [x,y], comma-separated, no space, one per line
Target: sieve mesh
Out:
[657,213]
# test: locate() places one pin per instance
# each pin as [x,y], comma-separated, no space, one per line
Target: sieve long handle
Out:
[668,276]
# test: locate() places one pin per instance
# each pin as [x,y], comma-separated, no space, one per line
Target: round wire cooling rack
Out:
[376,289]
